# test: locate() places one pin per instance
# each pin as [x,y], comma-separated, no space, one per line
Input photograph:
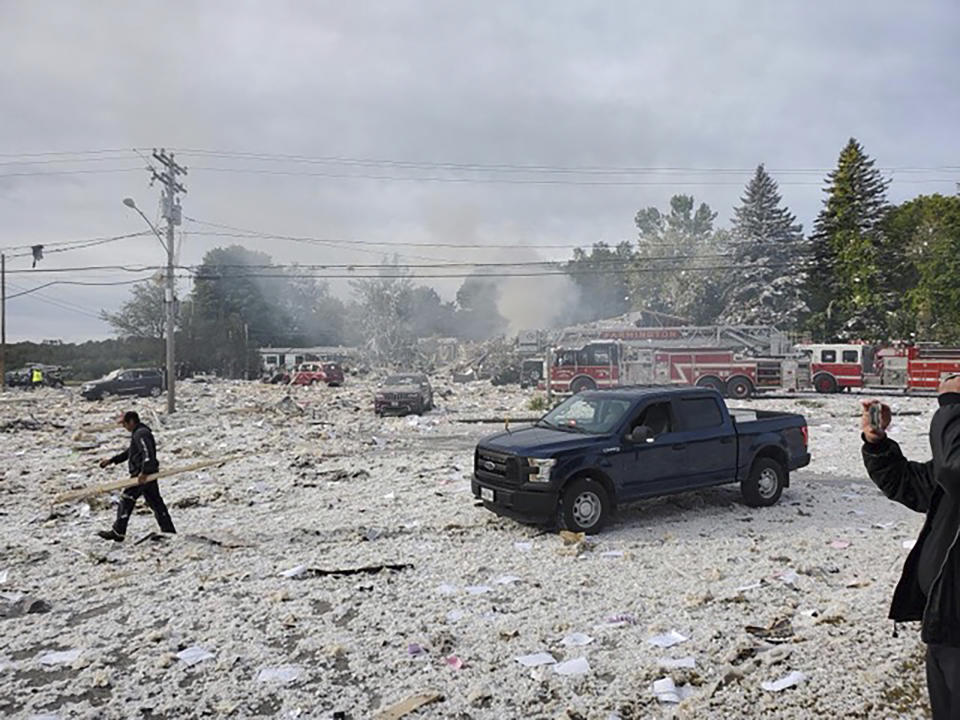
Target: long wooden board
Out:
[130,482]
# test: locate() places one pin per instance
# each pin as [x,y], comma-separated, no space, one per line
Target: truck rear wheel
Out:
[581,384]
[739,388]
[765,483]
[585,506]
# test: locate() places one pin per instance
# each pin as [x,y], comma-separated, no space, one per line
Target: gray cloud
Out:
[724,85]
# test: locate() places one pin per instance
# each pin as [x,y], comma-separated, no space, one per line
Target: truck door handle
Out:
[680,446]
[726,440]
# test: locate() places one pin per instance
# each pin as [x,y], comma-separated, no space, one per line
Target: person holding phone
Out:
[929,587]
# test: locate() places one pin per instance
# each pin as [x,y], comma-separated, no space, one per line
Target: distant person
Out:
[36,377]
[929,588]
[142,461]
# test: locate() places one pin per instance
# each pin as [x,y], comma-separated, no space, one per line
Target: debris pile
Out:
[339,567]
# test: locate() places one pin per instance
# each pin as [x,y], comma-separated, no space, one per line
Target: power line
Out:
[513,167]
[480,276]
[40,173]
[237,232]
[376,266]
[87,242]
[68,156]
[129,155]
[521,181]
[56,302]
[461,180]
[82,283]
[49,153]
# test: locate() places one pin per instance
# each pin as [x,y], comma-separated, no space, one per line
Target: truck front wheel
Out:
[584,507]
[765,483]
[825,383]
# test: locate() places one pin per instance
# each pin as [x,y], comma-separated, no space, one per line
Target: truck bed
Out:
[767,427]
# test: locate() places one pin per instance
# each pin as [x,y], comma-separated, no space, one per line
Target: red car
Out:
[314,372]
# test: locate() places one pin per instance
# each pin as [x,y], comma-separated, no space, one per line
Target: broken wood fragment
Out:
[407,706]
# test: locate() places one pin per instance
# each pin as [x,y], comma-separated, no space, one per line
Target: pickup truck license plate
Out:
[486,494]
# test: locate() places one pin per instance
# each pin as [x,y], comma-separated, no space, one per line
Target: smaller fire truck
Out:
[909,367]
[605,363]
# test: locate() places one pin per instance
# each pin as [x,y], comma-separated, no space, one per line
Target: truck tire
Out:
[739,387]
[581,384]
[825,383]
[714,383]
[155,392]
[764,484]
[584,506]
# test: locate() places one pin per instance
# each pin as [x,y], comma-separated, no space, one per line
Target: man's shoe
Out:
[111,534]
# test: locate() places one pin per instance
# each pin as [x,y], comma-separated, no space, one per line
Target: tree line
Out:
[869,270]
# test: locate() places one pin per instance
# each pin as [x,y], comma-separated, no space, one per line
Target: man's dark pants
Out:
[943,681]
[151,493]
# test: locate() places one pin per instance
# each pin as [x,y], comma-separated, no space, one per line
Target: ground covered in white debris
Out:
[255,610]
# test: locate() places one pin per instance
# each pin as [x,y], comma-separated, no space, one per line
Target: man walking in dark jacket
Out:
[929,589]
[141,459]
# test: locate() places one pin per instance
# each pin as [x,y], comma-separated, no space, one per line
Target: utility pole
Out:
[173,215]
[3,322]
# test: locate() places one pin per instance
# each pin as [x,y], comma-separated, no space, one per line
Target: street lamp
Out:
[129,202]
[168,300]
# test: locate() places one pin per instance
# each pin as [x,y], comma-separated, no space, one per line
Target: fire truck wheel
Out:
[581,384]
[584,506]
[739,388]
[825,383]
[764,484]
[712,383]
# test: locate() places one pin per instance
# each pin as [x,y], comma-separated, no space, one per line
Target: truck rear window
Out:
[697,413]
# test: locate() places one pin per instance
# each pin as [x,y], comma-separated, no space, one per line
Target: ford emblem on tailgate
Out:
[489,465]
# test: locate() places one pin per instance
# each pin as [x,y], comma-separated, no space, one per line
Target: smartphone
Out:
[876,416]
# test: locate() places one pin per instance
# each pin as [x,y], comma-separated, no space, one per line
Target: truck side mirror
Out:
[640,434]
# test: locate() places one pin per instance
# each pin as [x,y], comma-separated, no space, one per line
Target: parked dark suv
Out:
[404,394]
[146,382]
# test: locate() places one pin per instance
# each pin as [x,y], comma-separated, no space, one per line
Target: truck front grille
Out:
[496,466]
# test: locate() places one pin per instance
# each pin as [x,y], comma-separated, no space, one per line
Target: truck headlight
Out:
[540,469]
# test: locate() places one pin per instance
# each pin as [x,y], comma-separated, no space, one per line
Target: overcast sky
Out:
[556,84]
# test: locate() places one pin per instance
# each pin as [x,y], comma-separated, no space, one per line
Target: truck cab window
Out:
[657,417]
[850,356]
[601,356]
[700,413]
[828,356]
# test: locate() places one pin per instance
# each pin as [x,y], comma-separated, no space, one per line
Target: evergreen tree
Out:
[925,234]
[848,289]
[673,250]
[769,254]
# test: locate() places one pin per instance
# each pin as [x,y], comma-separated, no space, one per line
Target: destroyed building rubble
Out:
[342,566]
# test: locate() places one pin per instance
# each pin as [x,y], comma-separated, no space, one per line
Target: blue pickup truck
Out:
[601,448]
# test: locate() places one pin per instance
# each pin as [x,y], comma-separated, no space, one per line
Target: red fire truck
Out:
[609,363]
[916,367]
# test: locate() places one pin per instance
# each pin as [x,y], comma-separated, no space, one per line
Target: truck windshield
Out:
[595,415]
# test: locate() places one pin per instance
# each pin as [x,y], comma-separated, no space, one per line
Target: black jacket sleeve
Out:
[908,483]
[945,442]
[121,457]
